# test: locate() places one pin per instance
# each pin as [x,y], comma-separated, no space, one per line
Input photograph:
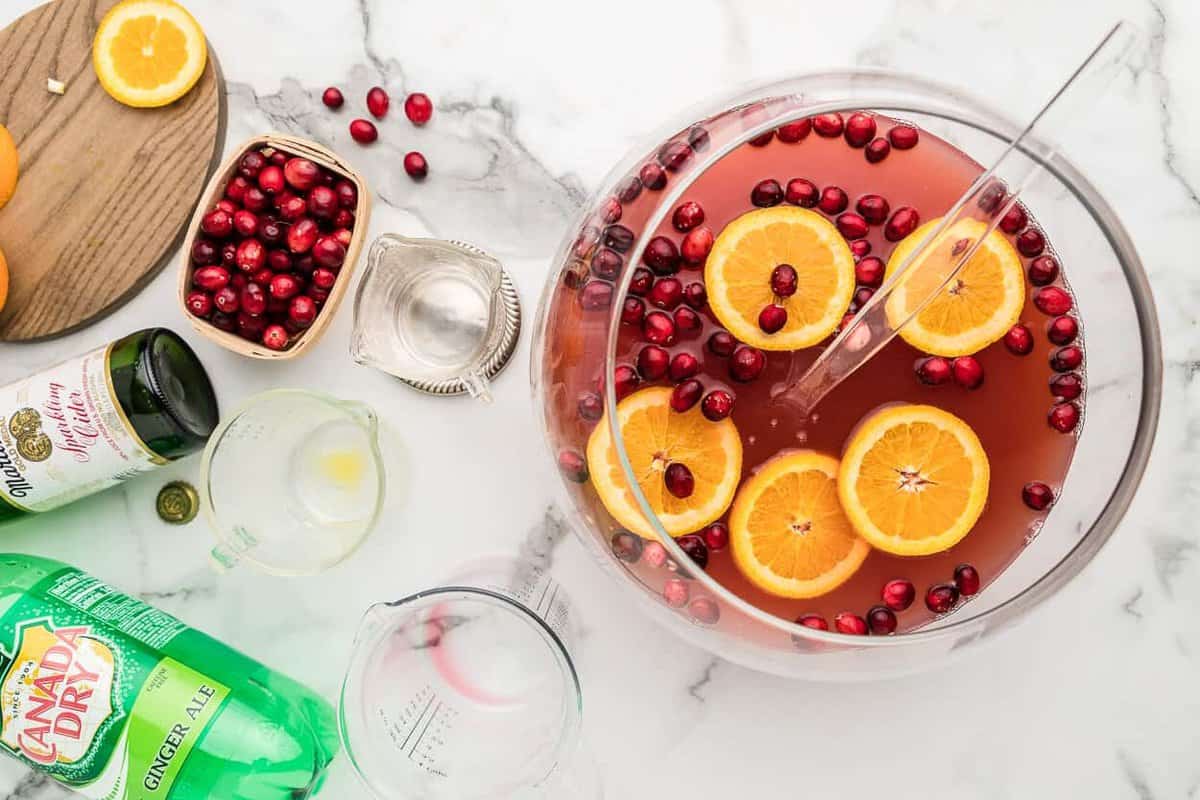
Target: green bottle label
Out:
[87,696]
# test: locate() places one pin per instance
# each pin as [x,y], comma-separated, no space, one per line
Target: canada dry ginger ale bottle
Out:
[121,701]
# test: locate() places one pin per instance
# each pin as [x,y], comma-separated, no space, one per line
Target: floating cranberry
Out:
[363,131]
[772,318]
[851,226]
[347,193]
[859,248]
[691,544]
[653,176]
[767,193]
[418,108]
[1043,270]
[253,300]
[204,253]
[697,245]
[968,372]
[652,362]
[596,296]
[763,139]
[378,102]
[1052,300]
[747,364]
[934,370]
[200,303]
[802,192]
[992,197]
[716,536]
[717,405]
[784,280]
[275,337]
[833,200]
[828,125]
[675,592]
[861,296]
[881,620]
[271,180]
[611,211]
[302,311]
[1062,330]
[903,137]
[618,237]
[814,621]
[301,174]
[687,320]
[217,223]
[1066,387]
[1064,417]
[683,366]
[666,293]
[852,624]
[573,466]
[698,137]
[662,256]
[860,129]
[1015,220]
[687,216]
[1037,495]
[332,97]
[898,594]
[695,295]
[877,150]
[1031,242]
[873,208]
[236,189]
[869,272]
[641,281]
[658,328]
[629,189]
[416,166]
[792,132]
[673,155]
[625,380]
[941,597]
[627,546]
[1066,359]
[255,199]
[251,164]
[903,221]
[590,406]
[606,264]
[1019,340]
[966,578]
[722,343]
[302,236]
[686,395]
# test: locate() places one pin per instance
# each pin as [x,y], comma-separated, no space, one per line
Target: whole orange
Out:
[8,166]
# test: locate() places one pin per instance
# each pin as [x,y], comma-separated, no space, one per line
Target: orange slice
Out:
[914,479]
[787,531]
[148,53]
[654,437]
[977,309]
[738,276]
[10,166]
[3,281]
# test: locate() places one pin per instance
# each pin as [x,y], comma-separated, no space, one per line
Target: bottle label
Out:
[87,695]
[63,436]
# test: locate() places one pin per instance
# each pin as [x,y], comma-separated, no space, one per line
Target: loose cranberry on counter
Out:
[697,245]
[833,200]
[573,466]
[941,597]
[746,364]
[851,624]
[1037,495]
[966,578]
[200,303]
[716,536]
[363,131]
[691,544]
[716,405]
[899,594]
[877,150]
[1019,340]
[416,166]
[882,620]
[792,132]
[903,137]
[687,216]
[418,108]
[828,125]
[767,193]
[802,192]
[378,102]
[934,370]
[686,395]
[332,97]
[683,366]
[652,362]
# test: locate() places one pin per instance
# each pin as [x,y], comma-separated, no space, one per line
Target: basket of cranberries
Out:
[270,252]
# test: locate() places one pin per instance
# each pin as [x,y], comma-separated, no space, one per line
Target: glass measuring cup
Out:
[468,691]
[441,316]
[293,482]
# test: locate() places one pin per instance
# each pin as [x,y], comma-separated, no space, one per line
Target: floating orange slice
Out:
[788,533]
[738,276]
[913,480]
[148,53]
[977,309]
[9,166]
[656,436]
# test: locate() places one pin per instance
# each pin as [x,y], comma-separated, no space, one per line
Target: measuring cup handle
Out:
[478,386]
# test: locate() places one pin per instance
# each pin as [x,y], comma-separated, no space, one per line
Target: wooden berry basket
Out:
[216,190]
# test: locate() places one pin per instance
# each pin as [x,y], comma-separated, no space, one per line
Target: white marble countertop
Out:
[1096,696]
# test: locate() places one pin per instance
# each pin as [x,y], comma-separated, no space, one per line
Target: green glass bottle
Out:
[94,421]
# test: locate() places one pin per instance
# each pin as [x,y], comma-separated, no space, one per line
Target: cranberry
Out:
[1062,330]
[418,108]
[814,621]
[903,221]
[1037,495]
[898,594]
[861,296]
[658,328]
[1014,221]
[686,395]
[1066,359]
[611,211]
[675,592]
[1043,270]
[302,236]
[1052,300]
[903,137]
[271,180]
[852,624]
[653,176]
[278,158]
[941,597]
[329,252]
[255,199]
[828,125]
[217,223]
[301,174]
[627,546]
[596,296]
[363,131]
[652,362]
[666,293]
[716,536]
[695,295]
[1064,417]
[625,380]
[250,326]
[618,237]
[966,578]
[629,189]
[802,192]
[1019,340]
[271,233]
[683,366]
[590,406]
[275,337]
[229,255]
[291,208]
[698,138]
[641,281]
[783,280]
[200,303]
[262,277]
[859,248]
[1031,242]
[772,318]
[236,190]
[934,370]
[763,139]
[223,322]
[378,102]
[204,253]
[851,226]
[251,255]
[674,155]
[717,405]
[767,193]
[632,311]
[687,216]
[1066,387]
[687,320]
[606,263]
[211,279]
[833,200]
[747,364]
[792,132]
[692,543]
[302,311]
[860,129]
[662,256]
[245,223]
[968,372]
[319,296]
[228,206]
[333,98]
[343,236]
[992,197]
[877,150]
[251,164]
[415,165]
[573,466]
[881,620]
[347,194]
[304,265]
[284,287]
[254,300]
[696,246]
[869,271]
[722,343]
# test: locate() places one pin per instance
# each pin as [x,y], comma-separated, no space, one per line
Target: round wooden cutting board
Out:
[105,190]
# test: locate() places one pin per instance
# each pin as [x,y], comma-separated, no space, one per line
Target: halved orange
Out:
[913,479]
[788,533]
[738,276]
[656,436]
[148,53]
[977,309]
[10,166]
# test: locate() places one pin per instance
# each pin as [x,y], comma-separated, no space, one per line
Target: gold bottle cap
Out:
[177,503]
